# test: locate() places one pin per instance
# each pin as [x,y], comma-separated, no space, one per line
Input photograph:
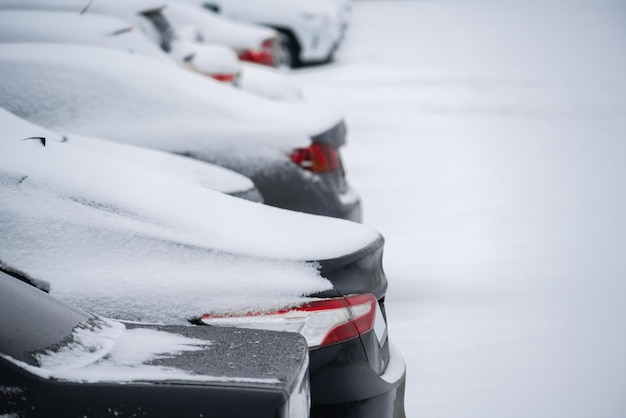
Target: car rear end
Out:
[355,370]
[312,179]
[57,361]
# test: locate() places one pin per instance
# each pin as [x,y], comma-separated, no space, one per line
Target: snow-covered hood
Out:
[95,92]
[125,241]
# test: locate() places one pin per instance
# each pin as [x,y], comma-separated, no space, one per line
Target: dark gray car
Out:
[60,362]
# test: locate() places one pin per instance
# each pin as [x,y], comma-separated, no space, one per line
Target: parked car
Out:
[197,49]
[258,46]
[57,361]
[252,43]
[289,150]
[216,61]
[311,30]
[129,243]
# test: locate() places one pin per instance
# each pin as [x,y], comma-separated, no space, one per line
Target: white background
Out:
[488,141]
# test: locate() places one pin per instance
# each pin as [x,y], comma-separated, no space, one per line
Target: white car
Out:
[311,30]
[289,150]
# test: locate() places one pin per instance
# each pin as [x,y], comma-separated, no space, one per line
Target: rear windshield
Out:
[32,321]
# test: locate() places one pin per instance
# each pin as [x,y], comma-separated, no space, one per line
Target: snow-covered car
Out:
[252,43]
[289,150]
[190,47]
[311,30]
[125,242]
[257,46]
[57,361]
[103,30]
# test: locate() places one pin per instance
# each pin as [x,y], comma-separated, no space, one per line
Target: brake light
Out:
[323,322]
[225,78]
[266,55]
[318,158]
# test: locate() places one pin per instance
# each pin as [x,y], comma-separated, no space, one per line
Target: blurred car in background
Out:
[291,151]
[253,43]
[112,27]
[199,49]
[311,30]
[130,243]
[58,361]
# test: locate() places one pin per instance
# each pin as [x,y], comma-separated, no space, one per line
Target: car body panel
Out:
[213,372]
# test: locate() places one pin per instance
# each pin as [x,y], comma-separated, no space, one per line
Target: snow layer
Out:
[203,174]
[108,94]
[488,146]
[73,28]
[127,242]
[214,28]
[106,351]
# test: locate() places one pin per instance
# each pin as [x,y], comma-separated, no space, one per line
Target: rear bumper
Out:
[296,189]
[346,386]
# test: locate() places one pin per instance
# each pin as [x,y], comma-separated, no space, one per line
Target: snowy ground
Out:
[488,140]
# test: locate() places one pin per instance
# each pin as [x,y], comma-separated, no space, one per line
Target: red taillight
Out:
[225,78]
[318,158]
[267,54]
[322,322]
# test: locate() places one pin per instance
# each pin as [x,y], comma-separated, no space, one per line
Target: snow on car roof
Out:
[63,27]
[96,92]
[127,242]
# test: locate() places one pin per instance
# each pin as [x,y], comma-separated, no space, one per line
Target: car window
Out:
[31,321]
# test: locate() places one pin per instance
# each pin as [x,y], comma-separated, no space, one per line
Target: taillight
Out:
[318,158]
[266,55]
[226,78]
[322,322]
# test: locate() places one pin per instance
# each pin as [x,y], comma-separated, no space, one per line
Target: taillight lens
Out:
[267,54]
[318,158]
[322,323]
[229,78]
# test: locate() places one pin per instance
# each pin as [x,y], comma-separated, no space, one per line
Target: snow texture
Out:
[214,28]
[126,242]
[73,28]
[105,351]
[127,98]
[487,142]
[203,174]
